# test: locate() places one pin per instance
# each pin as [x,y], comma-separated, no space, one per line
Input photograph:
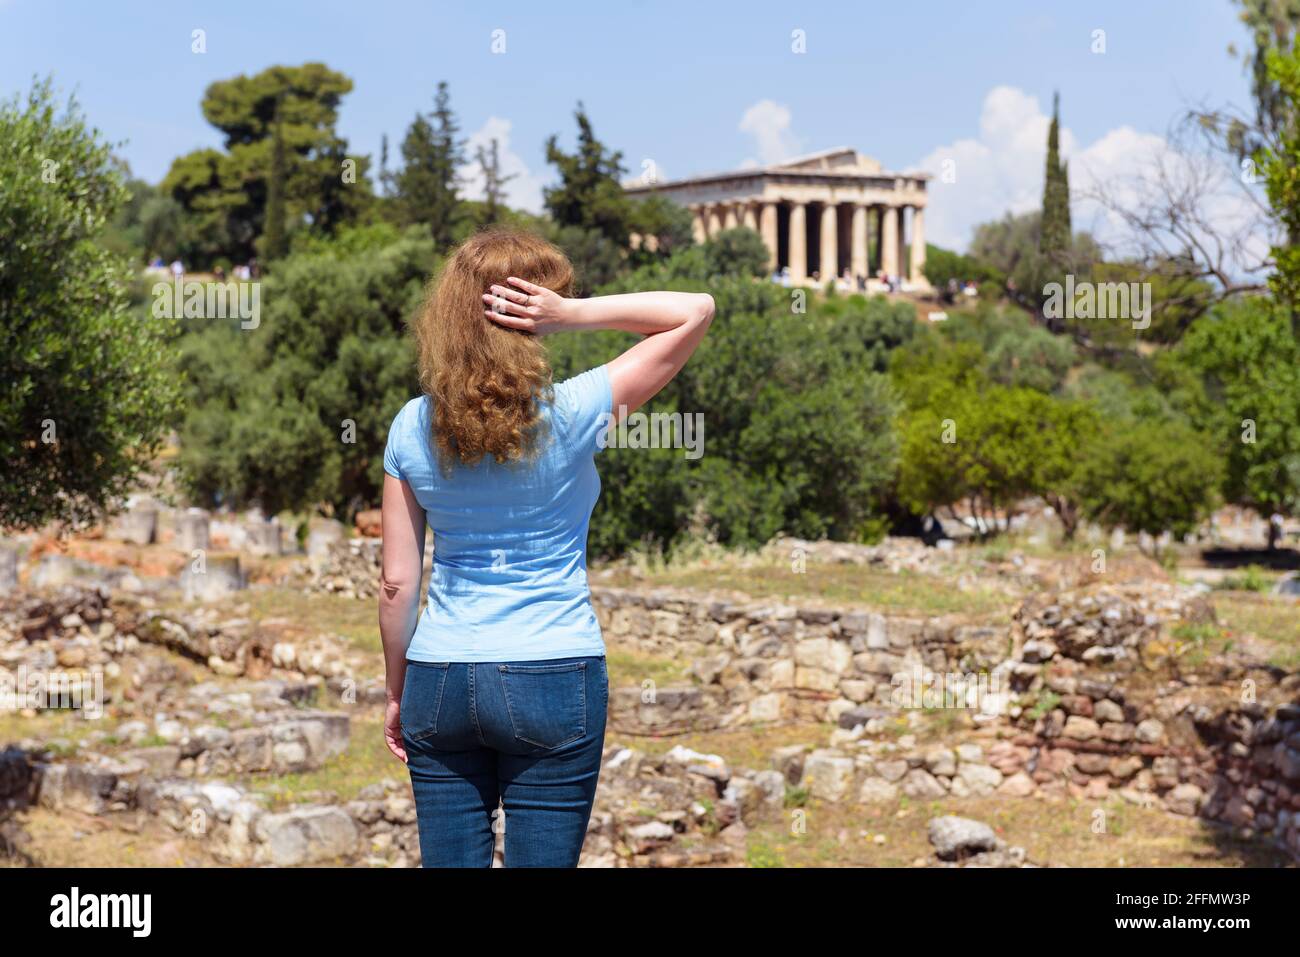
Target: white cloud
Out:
[1002,171]
[769,123]
[524,191]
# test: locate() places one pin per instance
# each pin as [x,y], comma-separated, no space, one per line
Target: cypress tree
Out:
[1054,239]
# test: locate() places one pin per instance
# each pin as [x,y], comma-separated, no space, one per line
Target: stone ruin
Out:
[1079,693]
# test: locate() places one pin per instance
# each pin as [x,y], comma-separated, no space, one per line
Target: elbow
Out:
[399,588]
[704,309]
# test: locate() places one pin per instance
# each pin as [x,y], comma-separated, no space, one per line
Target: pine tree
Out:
[1054,239]
[274,241]
[426,186]
[589,195]
[489,161]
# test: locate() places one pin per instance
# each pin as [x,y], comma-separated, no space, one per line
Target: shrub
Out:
[88,387]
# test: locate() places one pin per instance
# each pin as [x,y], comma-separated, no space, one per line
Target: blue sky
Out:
[908,82]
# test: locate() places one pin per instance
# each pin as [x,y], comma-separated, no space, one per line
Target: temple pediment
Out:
[842,159]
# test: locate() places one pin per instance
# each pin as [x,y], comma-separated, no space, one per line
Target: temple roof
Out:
[837,161]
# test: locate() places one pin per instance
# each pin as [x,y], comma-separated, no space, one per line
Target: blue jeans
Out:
[526,734]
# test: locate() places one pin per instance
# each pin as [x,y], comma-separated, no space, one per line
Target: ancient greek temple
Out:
[826,214]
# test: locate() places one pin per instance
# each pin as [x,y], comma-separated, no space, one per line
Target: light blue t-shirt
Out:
[509,579]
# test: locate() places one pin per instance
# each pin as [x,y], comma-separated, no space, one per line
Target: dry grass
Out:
[71,839]
[1273,620]
[1109,833]
[902,593]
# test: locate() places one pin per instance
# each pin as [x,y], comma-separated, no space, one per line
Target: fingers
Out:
[513,295]
[396,746]
[504,307]
[512,322]
[531,288]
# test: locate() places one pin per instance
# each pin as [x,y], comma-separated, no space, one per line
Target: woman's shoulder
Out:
[413,415]
[583,387]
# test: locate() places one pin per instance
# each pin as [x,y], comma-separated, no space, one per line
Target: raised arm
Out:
[399,596]
[673,324]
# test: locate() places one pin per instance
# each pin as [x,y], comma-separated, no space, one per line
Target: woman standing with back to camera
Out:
[497,693]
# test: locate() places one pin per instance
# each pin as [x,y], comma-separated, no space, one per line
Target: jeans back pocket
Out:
[422,698]
[547,703]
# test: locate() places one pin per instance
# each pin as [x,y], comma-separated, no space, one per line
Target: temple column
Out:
[798,242]
[750,216]
[889,241]
[829,265]
[902,240]
[698,227]
[858,243]
[767,229]
[918,244]
[715,221]
[729,216]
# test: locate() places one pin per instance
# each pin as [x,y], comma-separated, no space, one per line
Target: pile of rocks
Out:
[869,771]
[1103,623]
[349,568]
[1256,774]
[87,627]
[376,829]
[680,809]
[891,554]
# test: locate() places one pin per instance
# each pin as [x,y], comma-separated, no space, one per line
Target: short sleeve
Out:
[395,440]
[587,402]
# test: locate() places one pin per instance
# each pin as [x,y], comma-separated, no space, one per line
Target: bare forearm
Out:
[644,313]
[399,609]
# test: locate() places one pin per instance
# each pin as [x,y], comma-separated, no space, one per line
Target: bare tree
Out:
[1194,213]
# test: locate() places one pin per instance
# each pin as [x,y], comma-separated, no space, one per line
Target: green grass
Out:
[1271,620]
[1254,578]
[628,666]
[366,761]
[1053,832]
[902,593]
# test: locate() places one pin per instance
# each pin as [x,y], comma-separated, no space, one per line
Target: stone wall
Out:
[1090,699]
[773,662]
[96,782]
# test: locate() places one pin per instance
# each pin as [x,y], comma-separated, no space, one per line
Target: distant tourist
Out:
[178,268]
